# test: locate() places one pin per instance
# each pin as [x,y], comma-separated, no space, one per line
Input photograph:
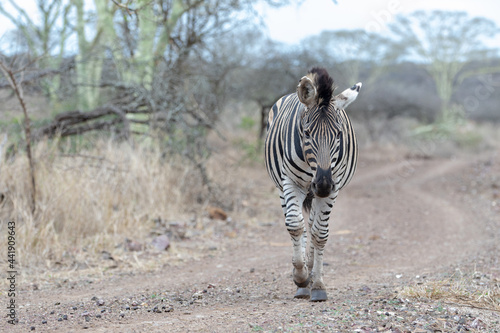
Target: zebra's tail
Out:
[308,201]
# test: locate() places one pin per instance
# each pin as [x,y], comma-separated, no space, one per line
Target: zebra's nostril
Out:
[321,189]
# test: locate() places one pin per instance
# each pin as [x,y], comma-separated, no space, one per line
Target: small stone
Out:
[65,317]
[100,302]
[44,321]
[252,270]
[98,315]
[87,318]
[161,242]
[59,319]
[365,289]
[132,245]
[74,308]
[32,328]
[477,324]
[122,314]
[105,255]
[216,213]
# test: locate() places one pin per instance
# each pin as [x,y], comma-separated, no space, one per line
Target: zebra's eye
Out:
[307,134]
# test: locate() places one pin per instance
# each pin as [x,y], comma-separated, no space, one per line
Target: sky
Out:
[292,23]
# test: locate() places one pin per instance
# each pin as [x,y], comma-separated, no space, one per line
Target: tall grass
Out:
[91,199]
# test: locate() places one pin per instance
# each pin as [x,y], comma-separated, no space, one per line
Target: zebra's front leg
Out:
[293,198]
[319,236]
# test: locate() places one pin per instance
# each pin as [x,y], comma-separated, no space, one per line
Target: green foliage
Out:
[468,139]
[252,150]
[455,132]
[248,142]
[247,123]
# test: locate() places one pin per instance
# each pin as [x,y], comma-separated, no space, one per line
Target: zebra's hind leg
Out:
[310,246]
[318,289]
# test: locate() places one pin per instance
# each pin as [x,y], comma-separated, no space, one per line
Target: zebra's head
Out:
[321,126]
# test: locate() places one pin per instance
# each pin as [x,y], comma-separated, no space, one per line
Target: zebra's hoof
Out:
[318,295]
[303,293]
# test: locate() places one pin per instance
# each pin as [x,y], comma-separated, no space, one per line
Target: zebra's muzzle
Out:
[322,185]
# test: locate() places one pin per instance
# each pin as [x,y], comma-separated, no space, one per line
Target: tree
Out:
[266,71]
[349,52]
[445,42]
[354,56]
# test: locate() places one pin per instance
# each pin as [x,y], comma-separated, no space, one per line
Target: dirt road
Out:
[401,223]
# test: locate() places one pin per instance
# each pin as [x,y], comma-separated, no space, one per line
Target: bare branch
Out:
[37,75]
[126,7]
[9,74]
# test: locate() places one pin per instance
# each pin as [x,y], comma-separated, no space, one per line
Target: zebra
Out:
[310,154]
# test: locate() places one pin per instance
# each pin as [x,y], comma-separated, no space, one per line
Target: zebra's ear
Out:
[348,96]
[306,91]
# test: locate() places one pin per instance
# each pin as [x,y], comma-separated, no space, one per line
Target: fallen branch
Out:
[78,122]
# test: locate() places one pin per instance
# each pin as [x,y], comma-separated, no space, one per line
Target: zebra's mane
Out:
[324,85]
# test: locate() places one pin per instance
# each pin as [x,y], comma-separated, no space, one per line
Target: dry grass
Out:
[472,290]
[92,200]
